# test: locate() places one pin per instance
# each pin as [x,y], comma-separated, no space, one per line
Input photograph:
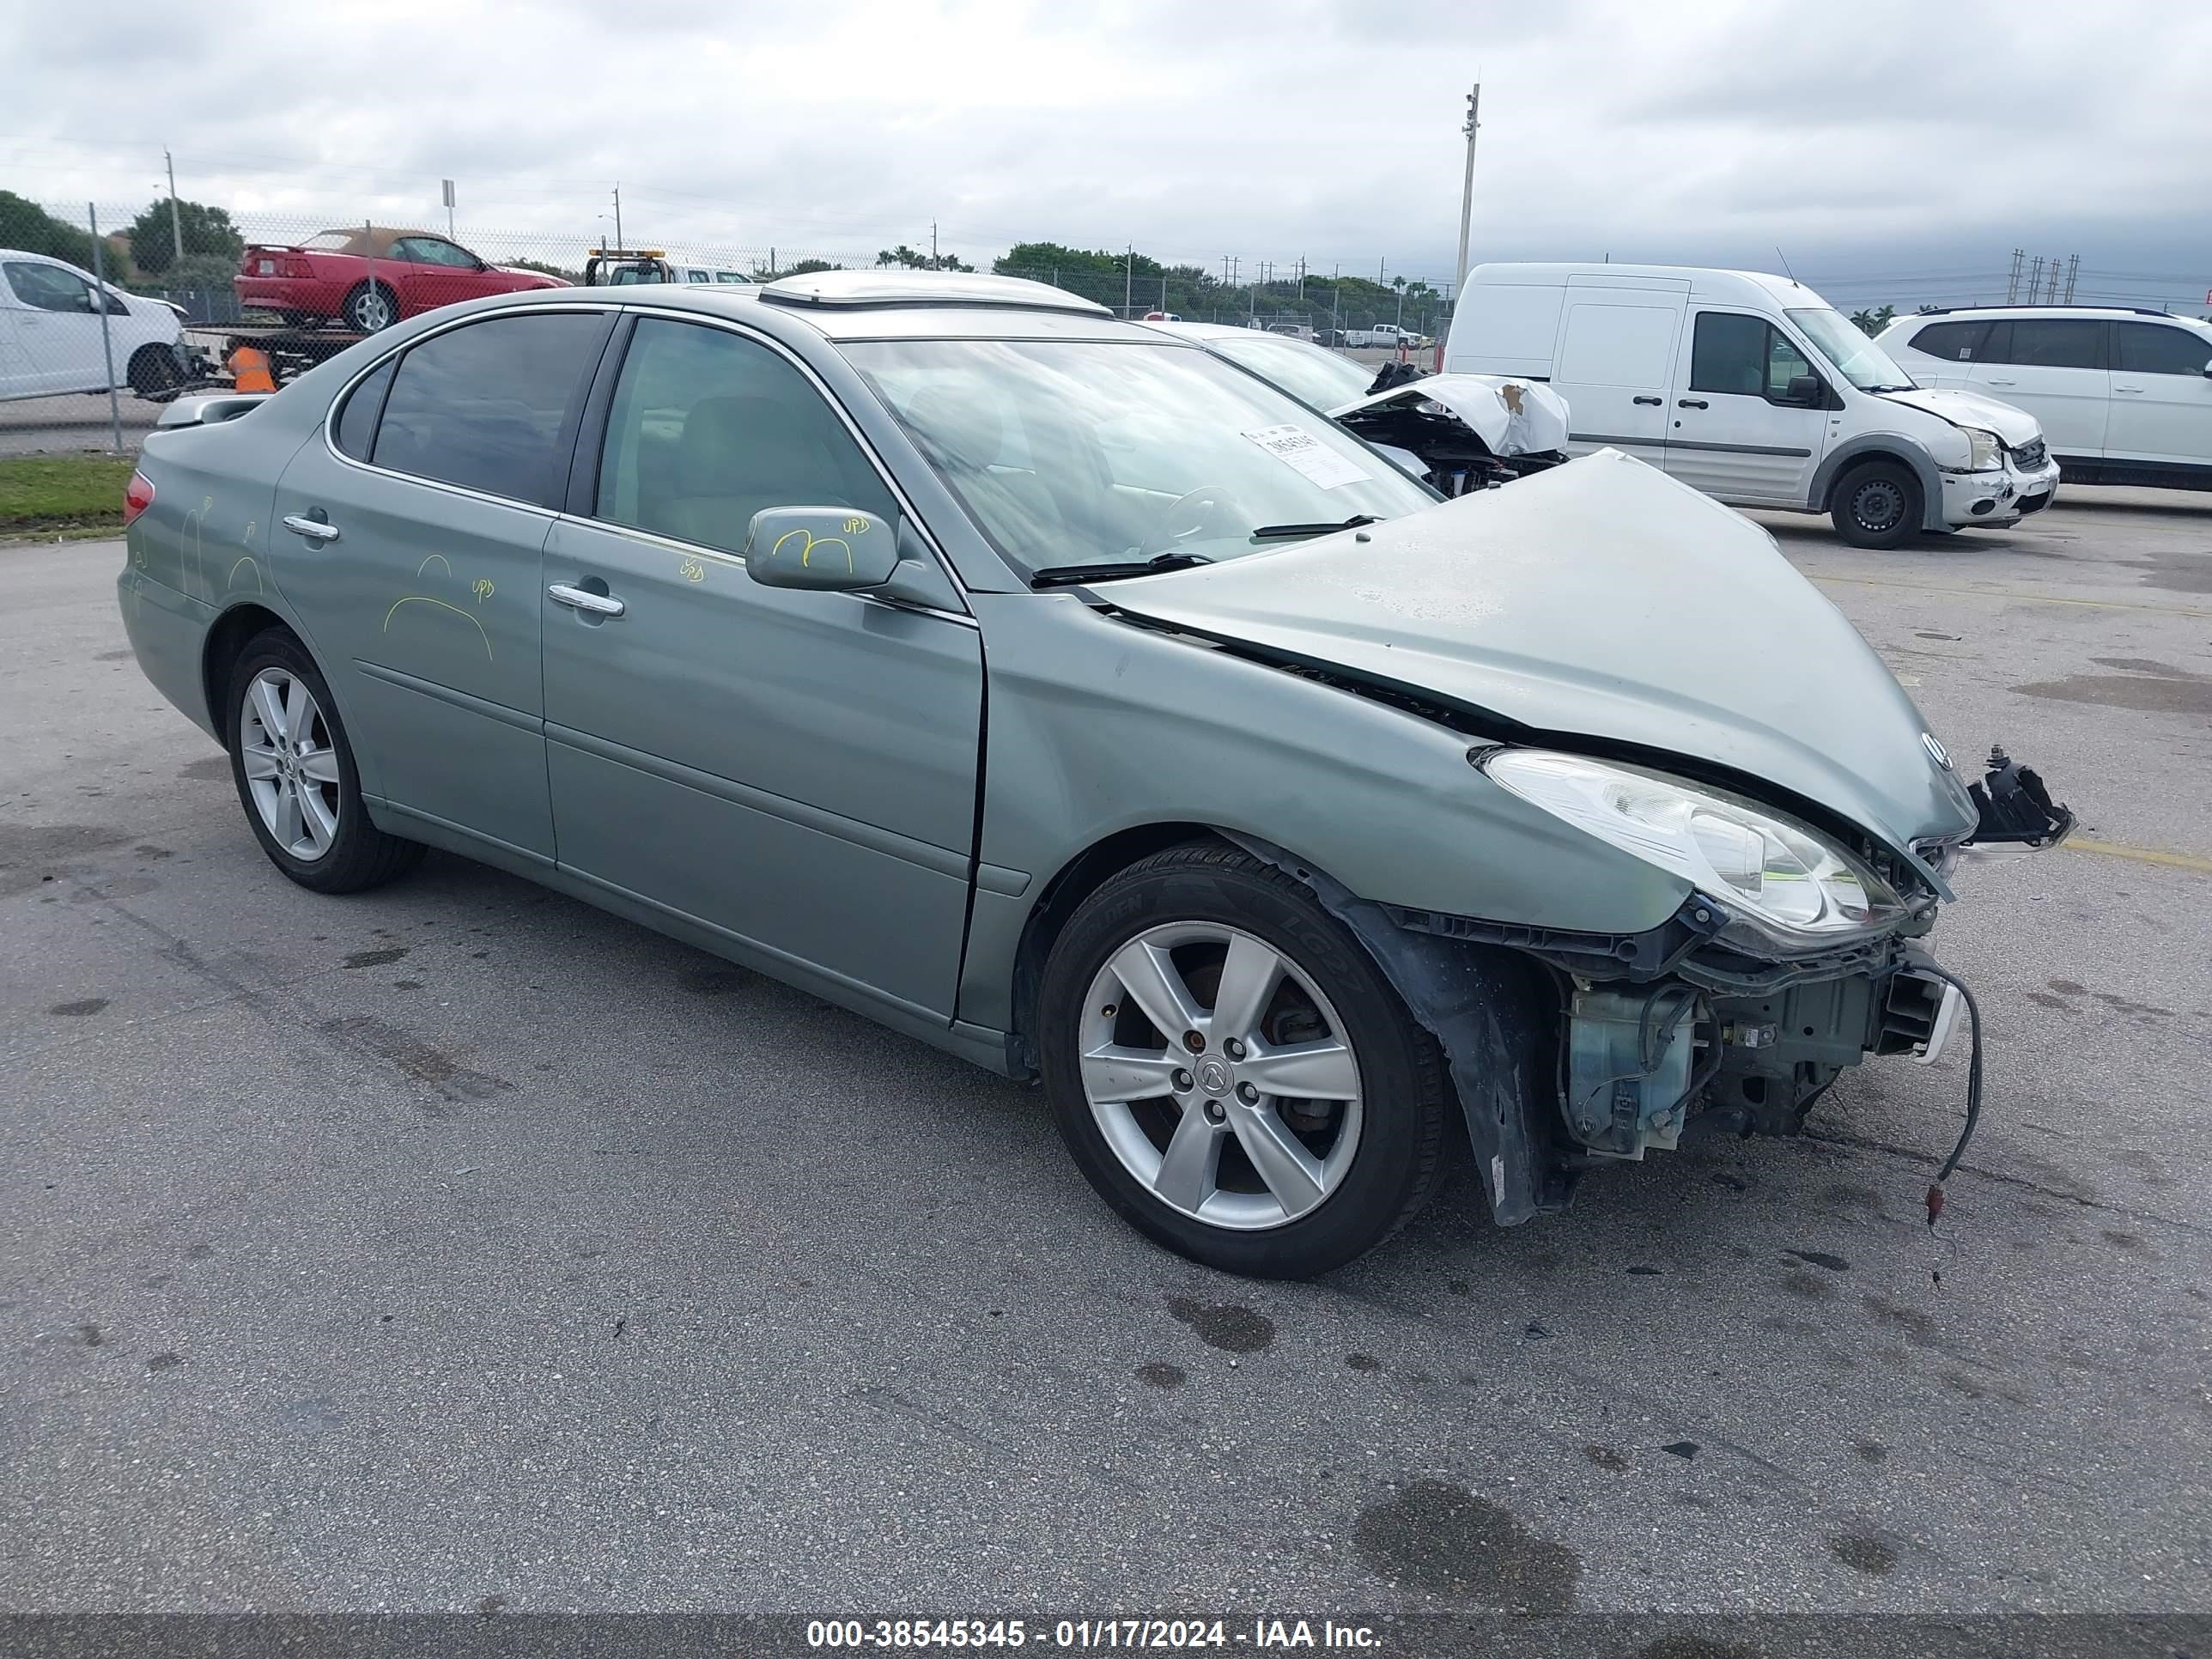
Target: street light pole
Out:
[176,223]
[1467,189]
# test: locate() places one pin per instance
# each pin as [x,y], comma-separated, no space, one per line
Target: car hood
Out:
[2015,426]
[1600,602]
[1511,415]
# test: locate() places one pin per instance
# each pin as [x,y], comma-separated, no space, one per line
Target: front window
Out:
[1850,352]
[1320,378]
[1079,453]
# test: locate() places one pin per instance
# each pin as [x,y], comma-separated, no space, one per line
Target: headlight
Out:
[1984,450]
[1788,884]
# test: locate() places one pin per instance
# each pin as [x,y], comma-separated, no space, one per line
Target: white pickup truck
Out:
[1382,334]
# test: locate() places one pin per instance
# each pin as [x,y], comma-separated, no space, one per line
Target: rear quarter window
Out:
[355,431]
[1954,343]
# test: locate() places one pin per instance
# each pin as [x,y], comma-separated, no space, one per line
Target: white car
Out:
[2124,397]
[49,331]
[1458,432]
[1750,388]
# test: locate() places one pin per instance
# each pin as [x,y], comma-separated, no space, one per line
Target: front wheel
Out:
[154,371]
[294,767]
[1876,505]
[1231,1071]
[370,307]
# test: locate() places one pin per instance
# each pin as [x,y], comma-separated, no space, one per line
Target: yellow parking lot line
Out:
[2142,855]
[2023,598]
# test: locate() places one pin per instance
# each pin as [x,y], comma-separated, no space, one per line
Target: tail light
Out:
[298,268]
[137,497]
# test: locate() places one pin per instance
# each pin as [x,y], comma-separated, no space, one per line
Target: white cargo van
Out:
[1748,387]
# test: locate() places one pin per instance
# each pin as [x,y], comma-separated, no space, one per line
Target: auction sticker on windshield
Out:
[1295,446]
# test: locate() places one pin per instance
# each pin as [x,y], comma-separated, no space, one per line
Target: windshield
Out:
[1853,355]
[1318,377]
[1086,452]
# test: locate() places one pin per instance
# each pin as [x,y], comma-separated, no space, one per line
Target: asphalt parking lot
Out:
[459,1247]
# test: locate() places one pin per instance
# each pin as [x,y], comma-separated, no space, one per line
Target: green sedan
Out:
[1053,691]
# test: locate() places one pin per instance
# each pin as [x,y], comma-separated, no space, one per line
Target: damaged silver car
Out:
[1454,432]
[1062,695]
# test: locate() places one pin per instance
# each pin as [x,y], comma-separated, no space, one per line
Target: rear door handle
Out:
[577,599]
[2131,390]
[1997,382]
[1691,402]
[315,530]
[1654,402]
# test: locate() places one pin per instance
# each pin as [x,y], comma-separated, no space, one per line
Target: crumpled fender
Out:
[1487,1008]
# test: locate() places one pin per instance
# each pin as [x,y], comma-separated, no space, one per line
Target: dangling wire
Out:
[1973,1087]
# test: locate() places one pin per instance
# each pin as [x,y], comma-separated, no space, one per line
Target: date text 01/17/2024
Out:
[1091,1634]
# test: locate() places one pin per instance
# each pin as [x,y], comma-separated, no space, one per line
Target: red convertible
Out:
[369,278]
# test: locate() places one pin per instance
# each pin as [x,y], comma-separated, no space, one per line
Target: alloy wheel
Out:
[1219,1075]
[291,766]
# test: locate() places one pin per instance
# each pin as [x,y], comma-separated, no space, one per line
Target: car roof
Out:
[2095,313]
[891,320]
[1705,282]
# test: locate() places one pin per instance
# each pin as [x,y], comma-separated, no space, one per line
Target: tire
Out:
[1357,1168]
[335,849]
[153,371]
[370,307]
[1877,504]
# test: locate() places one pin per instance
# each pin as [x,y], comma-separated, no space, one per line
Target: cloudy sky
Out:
[1890,150]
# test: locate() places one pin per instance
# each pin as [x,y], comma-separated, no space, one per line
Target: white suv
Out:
[2124,397]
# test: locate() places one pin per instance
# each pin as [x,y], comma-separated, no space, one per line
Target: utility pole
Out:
[448,191]
[1467,187]
[618,236]
[933,245]
[1379,264]
[2012,281]
[1129,281]
[176,223]
[2034,278]
[2073,265]
[2052,298]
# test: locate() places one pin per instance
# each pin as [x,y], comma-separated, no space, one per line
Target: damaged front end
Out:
[1462,432]
[1572,1050]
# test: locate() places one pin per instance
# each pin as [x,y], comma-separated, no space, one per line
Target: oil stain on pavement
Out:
[1238,1330]
[1440,1538]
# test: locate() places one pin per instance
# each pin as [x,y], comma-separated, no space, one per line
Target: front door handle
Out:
[1654,402]
[2128,391]
[577,599]
[1691,402]
[1995,382]
[315,530]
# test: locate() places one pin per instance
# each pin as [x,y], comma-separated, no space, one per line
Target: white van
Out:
[2124,397]
[1750,388]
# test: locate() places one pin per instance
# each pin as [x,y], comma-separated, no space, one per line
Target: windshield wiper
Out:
[1067,575]
[1269,533]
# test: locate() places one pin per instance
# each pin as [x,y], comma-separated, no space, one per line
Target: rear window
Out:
[1954,343]
[490,406]
[2160,348]
[328,241]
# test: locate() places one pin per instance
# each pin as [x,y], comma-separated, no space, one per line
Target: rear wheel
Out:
[1231,1071]
[370,307]
[1876,505]
[294,767]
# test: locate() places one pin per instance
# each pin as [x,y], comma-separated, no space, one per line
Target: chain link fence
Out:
[106,312]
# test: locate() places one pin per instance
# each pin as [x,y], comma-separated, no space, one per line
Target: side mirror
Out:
[834,549]
[1803,392]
